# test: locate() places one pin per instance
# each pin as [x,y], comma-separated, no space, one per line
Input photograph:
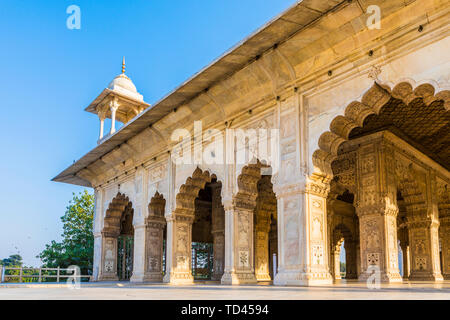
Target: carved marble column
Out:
[421,202]
[114,106]
[218,232]
[404,245]
[358,260]
[229,243]
[154,236]
[153,240]
[98,239]
[444,227]
[273,247]
[97,263]
[377,211]
[108,269]
[261,236]
[302,221]
[376,250]
[444,231]
[239,267]
[406,261]
[424,242]
[139,255]
[266,206]
[336,262]
[219,254]
[179,237]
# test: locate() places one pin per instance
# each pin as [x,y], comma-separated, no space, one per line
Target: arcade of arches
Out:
[389,158]
[354,181]
[384,179]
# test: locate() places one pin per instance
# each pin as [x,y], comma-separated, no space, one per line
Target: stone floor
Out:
[210,290]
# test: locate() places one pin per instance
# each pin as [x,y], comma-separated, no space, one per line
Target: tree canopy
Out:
[14,260]
[77,245]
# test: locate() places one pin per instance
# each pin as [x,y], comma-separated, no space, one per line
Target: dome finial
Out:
[123,64]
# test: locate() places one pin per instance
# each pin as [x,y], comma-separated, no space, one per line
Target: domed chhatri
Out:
[123,84]
[120,100]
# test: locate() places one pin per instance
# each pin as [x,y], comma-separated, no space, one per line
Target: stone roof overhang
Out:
[274,32]
[92,108]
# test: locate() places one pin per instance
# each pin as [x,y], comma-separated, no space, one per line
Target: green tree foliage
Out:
[342,267]
[14,260]
[77,245]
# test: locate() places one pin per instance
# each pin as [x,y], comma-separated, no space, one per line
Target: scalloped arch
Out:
[185,199]
[114,213]
[157,205]
[357,111]
[247,183]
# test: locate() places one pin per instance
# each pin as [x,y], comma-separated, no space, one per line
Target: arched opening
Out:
[125,245]
[155,239]
[208,232]
[372,151]
[343,228]
[118,241]
[403,239]
[443,195]
[342,261]
[196,231]
[255,212]
[265,230]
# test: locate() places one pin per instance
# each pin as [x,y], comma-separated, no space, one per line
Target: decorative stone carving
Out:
[425,250]
[377,211]
[109,266]
[243,259]
[317,254]
[372,103]
[157,173]
[373,259]
[243,229]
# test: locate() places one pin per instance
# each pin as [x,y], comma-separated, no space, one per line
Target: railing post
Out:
[1,273]
[57,275]
[40,274]
[20,274]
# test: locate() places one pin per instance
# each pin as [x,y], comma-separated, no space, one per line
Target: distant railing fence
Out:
[22,274]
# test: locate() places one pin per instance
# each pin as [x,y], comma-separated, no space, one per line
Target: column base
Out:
[351,276]
[147,277]
[178,278]
[384,277]
[296,278]
[446,276]
[104,277]
[425,276]
[263,277]
[238,278]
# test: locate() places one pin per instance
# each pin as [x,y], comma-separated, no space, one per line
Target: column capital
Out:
[155,221]
[385,206]
[414,222]
[114,104]
[184,218]
[315,184]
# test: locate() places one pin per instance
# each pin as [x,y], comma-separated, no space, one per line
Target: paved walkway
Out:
[207,291]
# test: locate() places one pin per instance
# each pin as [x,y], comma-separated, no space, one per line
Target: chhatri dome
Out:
[123,84]
[119,101]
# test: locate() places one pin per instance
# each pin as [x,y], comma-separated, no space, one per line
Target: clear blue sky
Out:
[49,74]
